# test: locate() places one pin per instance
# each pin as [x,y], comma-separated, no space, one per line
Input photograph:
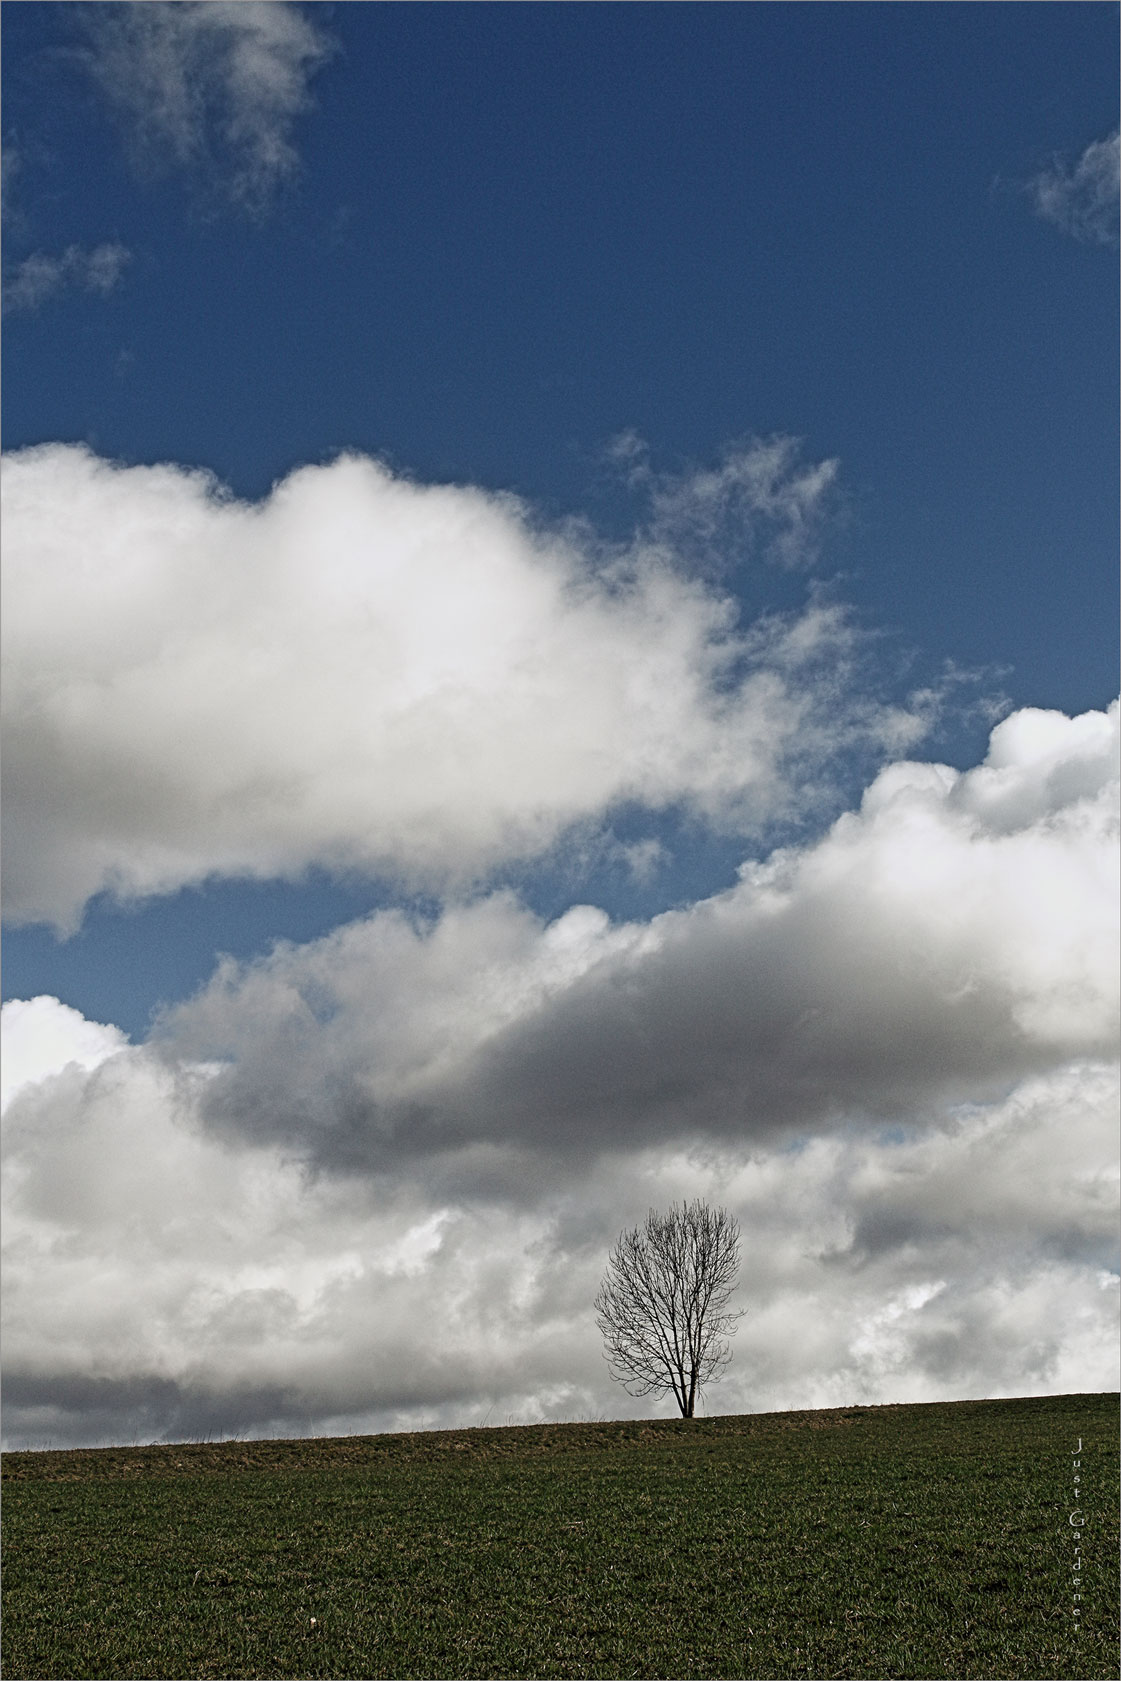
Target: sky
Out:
[560,607]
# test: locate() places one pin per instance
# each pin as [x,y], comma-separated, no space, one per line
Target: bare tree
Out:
[662,1306]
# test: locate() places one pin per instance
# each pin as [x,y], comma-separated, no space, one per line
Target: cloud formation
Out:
[212,86]
[760,497]
[371,1182]
[1084,200]
[954,935]
[43,1036]
[159,1281]
[364,673]
[40,276]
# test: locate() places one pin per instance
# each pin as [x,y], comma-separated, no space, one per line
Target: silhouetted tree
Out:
[662,1306]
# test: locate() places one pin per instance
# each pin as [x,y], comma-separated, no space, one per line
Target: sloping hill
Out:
[863,1541]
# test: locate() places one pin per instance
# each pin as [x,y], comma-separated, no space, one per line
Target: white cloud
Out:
[366,673]
[214,86]
[387,1198]
[43,1036]
[760,498]
[1083,201]
[40,276]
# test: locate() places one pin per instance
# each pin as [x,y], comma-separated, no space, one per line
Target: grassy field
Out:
[879,1541]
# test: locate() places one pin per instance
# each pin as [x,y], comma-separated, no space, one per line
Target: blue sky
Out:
[512,237]
[791,329]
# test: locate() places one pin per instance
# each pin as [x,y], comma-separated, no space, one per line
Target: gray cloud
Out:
[40,276]
[941,943]
[1083,200]
[135,1409]
[161,1282]
[211,86]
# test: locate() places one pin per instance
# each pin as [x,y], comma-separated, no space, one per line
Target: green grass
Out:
[880,1541]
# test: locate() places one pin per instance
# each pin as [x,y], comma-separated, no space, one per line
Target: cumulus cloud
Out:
[162,1282]
[371,1182]
[43,1036]
[213,86]
[1083,200]
[364,673]
[40,276]
[955,933]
